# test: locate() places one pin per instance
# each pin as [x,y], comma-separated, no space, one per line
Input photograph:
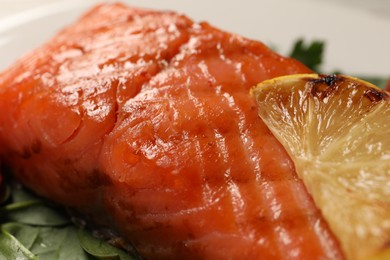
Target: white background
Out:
[378,7]
[357,31]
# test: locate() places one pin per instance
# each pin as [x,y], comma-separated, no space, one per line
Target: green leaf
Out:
[29,209]
[59,244]
[100,248]
[36,214]
[20,194]
[21,205]
[34,229]
[309,54]
[11,248]
[48,243]
[26,235]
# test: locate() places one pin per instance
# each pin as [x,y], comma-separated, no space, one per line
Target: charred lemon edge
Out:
[381,253]
[297,77]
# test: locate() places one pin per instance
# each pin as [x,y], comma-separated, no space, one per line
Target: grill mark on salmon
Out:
[159,132]
[254,160]
[234,192]
[207,190]
[280,231]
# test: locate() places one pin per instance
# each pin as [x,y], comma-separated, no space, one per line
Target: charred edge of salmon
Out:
[325,85]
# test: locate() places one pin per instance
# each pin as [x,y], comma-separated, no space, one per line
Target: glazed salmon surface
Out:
[142,120]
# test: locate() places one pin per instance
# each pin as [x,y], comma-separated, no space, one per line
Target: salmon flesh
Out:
[142,120]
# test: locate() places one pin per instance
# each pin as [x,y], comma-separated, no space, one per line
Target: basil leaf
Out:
[39,231]
[48,243]
[11,248]
[36,214]
[101,249]
[29,209]
[59,244]
[26,235]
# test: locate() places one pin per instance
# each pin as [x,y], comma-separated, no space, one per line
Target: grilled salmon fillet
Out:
[142,121]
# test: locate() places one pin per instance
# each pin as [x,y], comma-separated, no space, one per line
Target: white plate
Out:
[357,42]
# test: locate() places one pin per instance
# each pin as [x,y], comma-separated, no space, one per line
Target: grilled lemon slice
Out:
[337,131]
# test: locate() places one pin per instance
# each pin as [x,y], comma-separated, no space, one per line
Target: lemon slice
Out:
[337,131]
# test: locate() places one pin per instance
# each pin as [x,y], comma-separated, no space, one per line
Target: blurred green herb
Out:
[312,55]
